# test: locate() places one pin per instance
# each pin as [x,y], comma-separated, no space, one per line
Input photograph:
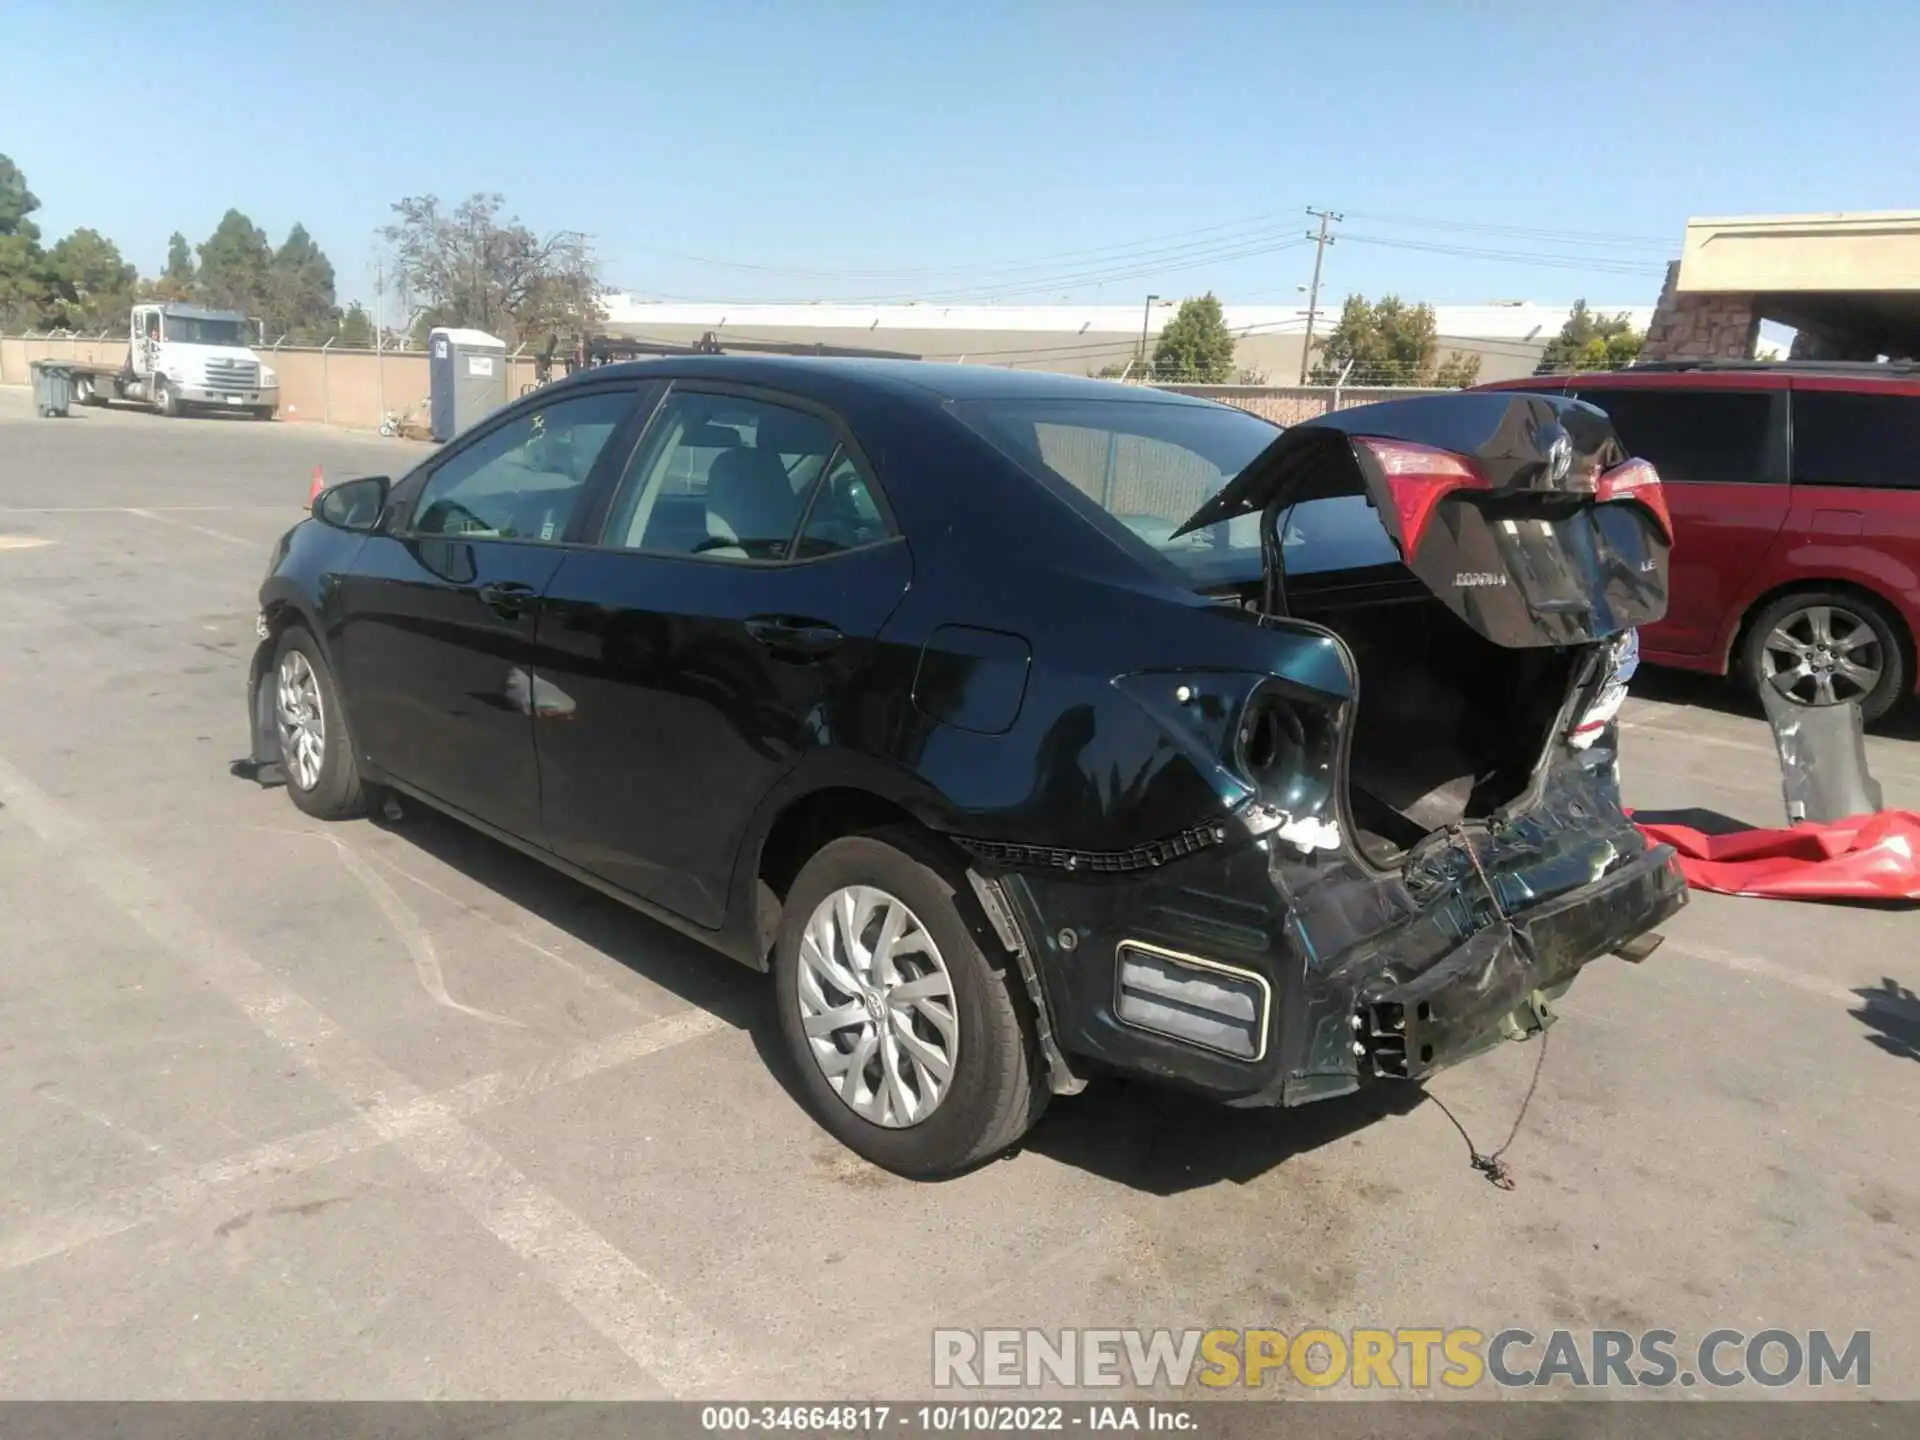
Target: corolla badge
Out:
[1559,458]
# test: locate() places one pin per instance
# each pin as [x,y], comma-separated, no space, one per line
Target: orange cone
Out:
[319,484]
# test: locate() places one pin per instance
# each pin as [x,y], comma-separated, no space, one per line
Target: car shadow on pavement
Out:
[1164,1141]
[1694,817]
[647,948]
[1143,1136]
[1892,1013]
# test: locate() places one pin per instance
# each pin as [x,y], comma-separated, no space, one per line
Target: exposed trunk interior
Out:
[1450,726]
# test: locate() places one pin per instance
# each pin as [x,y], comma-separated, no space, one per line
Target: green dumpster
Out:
[52,387]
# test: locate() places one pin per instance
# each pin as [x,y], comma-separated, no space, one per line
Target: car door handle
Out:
[509,599]
[789,636]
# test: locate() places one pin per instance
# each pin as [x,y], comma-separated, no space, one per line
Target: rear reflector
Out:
[1419,477]
[1214,1006]
[1638,482]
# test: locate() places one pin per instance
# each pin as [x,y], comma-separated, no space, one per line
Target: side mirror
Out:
[353,504]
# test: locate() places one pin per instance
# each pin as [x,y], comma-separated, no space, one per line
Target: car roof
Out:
[825,377]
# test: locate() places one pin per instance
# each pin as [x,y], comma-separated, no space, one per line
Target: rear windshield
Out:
[1138,468]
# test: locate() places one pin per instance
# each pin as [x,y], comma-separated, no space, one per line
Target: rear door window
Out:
[1694,436]
[723,476]
[1842,438]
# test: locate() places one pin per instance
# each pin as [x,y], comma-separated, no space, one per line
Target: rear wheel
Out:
[910,1044]
[1826,648]
[316,748]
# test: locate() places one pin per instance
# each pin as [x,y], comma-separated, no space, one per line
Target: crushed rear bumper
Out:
[1259,975]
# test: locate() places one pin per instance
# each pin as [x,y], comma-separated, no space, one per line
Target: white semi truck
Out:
[185,357]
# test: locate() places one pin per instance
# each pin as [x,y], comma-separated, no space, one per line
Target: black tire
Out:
[262,412]
[164,401]
[996,1091]
[1891,644]
[337,793]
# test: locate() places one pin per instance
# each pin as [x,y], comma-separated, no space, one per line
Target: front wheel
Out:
[1826,648]
[164,399]
[316,748]
[911,1046]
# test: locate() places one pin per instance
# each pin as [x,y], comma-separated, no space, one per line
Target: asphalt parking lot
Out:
[372,1111]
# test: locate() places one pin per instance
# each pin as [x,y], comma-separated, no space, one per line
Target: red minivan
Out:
[1795,492]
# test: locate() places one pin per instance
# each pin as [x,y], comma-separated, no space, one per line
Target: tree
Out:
[177,281]
[16,201]
[235,262]
[356,327]
[20,255]
[1389,343]
[84,284]
[1195,346]
[473,268]
[1590,342]
[300,296]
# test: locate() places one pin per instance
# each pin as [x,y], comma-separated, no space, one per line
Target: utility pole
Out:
[1320,243]
[1146,314]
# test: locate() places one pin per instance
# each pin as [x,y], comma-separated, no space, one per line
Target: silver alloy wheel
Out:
[1822,655]
[878,1007]
[303,723]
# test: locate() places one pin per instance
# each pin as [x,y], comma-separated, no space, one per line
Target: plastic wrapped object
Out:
[1823,760]
[1873,857]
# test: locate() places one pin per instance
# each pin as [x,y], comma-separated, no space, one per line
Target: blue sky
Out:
[984,151]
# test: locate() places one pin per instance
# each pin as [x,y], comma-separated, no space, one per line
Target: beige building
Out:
[1082,339]
[1848,284]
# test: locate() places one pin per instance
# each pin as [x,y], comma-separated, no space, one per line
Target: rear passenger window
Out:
[1704,436]
[1850,439]
[721,476]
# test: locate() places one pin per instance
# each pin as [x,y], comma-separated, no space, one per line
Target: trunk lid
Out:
[1520,511]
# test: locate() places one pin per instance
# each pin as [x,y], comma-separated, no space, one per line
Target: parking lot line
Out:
[673,1349]
[324,1145]
[124,509]
[1878,763]
[1764,969]
[197,529]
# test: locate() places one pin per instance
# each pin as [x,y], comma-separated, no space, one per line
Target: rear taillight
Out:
[1419,478]
[1639,482]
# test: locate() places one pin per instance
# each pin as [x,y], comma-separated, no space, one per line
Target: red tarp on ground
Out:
[1869,857]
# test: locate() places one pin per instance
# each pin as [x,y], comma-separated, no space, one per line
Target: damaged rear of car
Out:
[1023,726]
[1417,843]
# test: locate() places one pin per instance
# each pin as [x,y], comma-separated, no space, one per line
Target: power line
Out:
[1595,264]
[1119,251]
[1529,232]
[1032,285]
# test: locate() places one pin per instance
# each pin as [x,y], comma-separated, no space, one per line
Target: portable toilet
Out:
[466,377]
